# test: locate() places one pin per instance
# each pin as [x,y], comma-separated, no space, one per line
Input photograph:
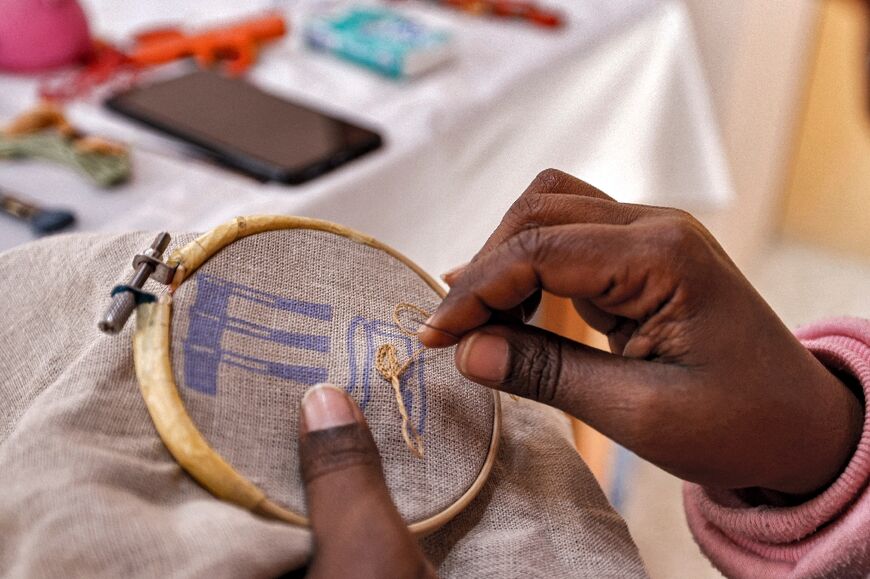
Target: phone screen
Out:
[245,127]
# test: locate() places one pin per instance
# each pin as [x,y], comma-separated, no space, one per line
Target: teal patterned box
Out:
[380,39]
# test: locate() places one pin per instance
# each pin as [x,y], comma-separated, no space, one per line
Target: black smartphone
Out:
[258,133]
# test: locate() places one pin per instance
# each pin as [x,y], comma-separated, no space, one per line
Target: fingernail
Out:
[325,406]
[484,357]
[426,326]
[453,271]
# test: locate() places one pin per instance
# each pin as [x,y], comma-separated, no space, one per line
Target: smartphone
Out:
[243,127]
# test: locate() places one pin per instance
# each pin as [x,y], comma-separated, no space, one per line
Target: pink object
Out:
[827,536]
[41,34]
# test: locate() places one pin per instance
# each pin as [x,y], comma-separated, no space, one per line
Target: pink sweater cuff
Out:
[827,536]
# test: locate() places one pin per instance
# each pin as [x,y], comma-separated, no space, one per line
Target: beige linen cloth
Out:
[87,489]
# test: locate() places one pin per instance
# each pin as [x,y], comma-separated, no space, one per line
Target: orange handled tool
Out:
[236,44]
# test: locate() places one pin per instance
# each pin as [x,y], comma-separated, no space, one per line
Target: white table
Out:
[616,98]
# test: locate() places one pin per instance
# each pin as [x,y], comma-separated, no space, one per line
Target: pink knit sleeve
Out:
[827,536]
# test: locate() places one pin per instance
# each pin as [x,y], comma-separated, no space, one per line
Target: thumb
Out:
[606,391]
[358,531]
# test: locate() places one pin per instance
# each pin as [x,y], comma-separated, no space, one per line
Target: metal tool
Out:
[147,265]
[41,220]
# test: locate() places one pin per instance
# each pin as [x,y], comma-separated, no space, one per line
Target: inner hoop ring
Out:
[152,360]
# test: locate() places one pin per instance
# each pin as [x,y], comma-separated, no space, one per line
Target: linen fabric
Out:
[87,488]
[274,313]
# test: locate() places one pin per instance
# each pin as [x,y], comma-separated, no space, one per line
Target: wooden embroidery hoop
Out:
[151,354]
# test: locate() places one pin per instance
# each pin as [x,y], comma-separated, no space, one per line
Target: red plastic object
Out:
[528,11]
[105,63]
[235,44]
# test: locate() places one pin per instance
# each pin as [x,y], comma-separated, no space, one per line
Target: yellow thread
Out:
[424,315]
[388,365]
[404,307]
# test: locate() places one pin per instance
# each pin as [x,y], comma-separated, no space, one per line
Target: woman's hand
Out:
[358,533]
[704,379]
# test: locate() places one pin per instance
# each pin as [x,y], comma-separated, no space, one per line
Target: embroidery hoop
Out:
[152,360]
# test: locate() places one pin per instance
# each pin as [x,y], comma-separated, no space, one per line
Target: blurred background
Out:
[788,81]
[752,114]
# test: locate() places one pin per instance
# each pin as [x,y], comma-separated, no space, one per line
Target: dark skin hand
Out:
[357,530]
[704,380]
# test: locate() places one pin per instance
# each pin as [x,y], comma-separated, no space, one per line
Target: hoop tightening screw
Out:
[145,264]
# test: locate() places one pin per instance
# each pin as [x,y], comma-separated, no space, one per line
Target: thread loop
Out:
[387,364]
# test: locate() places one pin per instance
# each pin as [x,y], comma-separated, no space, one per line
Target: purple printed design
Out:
[210,319]
[366,335]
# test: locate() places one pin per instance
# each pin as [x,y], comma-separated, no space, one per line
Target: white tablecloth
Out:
[616,98]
